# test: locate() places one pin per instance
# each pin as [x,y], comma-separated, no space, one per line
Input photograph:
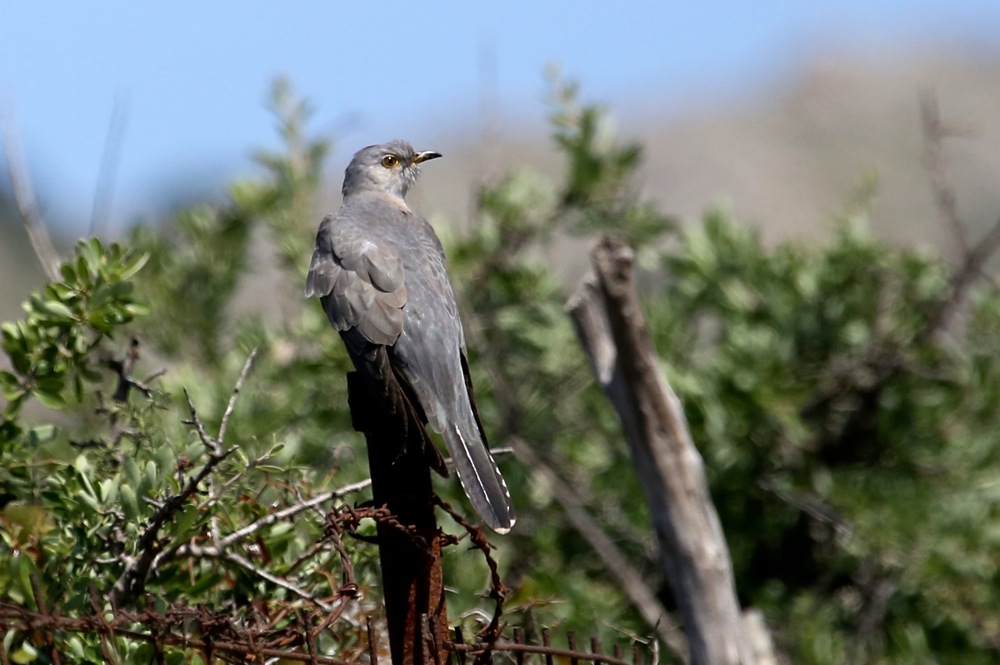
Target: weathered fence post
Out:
[409,546]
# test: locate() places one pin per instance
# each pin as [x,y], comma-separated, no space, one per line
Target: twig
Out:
[240,380]
[132,581]
[109,165]
[973,257]
[213,522]
[963,278]
[633,585]
[223,544]
[291,511]
[213,446]
[935,163]
[246,564]
[24,199]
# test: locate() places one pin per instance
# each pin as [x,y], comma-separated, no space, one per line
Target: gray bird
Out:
[378,269]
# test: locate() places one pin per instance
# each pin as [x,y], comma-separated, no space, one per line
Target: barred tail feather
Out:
[481,479]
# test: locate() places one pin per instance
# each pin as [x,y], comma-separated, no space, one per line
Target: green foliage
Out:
[849,446]
[849,427]
[53,347]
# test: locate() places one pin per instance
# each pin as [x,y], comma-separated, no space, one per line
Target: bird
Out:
[378,269]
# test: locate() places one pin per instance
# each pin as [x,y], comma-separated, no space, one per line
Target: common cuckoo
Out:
[378,268]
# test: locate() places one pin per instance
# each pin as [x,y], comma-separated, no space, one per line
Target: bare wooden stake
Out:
[611,328]
[409,546]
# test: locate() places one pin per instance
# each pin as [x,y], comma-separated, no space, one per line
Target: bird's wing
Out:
[360,282]
[432,357]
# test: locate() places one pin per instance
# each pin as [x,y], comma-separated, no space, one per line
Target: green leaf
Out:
[9,330]
[109,489]
[137,309]
[89,499]
[58,310]
[53,400]
[132,473]
[42,434]
[134,266]
[186,520]
[67,272]
[25,654]
[130,503]
[75,646]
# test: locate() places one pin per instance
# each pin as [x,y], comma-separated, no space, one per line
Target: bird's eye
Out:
[389,161]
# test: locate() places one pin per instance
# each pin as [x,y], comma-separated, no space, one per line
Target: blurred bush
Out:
[848,422]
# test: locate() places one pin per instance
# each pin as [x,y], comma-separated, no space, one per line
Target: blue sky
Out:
[192,76]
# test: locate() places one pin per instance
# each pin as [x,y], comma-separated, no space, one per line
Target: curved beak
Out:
[424,156]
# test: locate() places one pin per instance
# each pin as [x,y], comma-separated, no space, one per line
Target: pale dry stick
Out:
[241,561]
[613,334]
[27,206]
[267,520]
[285,513]
[240,380]
[109,165]
[213,522]
[633,585]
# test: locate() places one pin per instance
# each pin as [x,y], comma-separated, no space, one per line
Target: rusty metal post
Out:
[410,551]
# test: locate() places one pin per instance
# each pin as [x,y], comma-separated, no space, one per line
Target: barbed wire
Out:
[287,629]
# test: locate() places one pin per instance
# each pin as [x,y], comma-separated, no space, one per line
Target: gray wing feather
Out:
[360,283]
[433,354]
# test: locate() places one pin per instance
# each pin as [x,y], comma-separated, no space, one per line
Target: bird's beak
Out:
[424,156]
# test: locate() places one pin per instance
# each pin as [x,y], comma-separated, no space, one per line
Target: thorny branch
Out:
[214,520]
[934,162]
[973,257]
[132,581]
[195,550]
[884,361]
[240,380]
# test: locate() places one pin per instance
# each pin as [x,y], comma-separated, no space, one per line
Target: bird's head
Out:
[389,167]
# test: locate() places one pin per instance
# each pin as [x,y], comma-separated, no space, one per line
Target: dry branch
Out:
[612,331]
[637,589]
[132,581]
[27,206]
[973,256]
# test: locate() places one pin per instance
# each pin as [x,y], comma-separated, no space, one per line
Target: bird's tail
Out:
[480,478]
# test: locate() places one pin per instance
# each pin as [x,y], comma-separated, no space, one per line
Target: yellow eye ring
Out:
[389,161]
